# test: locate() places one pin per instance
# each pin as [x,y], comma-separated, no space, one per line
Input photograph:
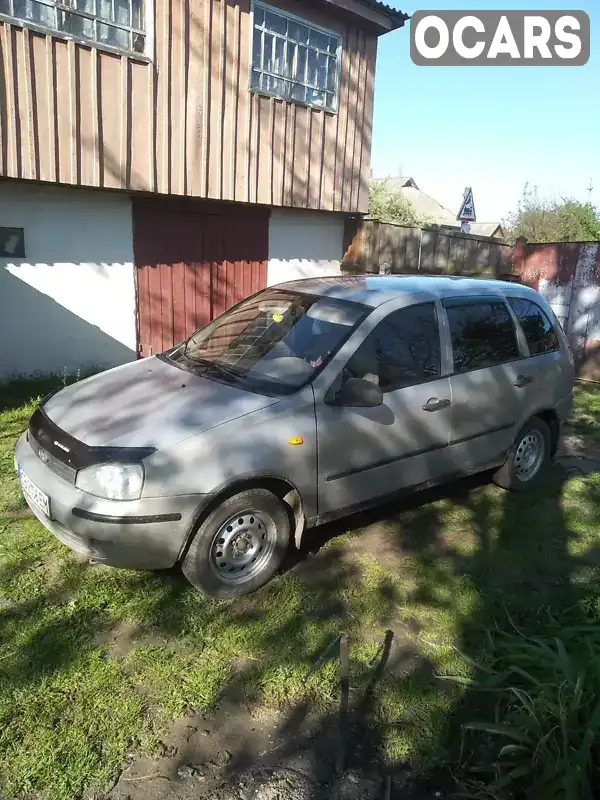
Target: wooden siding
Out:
[184,124]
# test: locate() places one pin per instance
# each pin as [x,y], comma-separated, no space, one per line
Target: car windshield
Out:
[274,342]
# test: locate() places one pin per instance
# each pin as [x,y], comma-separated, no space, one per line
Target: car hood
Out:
[147,403]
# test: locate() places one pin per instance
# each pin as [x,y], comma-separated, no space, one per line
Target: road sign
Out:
[467,210]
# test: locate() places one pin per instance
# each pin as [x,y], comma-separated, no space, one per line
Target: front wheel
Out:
[529,459]
[239,546]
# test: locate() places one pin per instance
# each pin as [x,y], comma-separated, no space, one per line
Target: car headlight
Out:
[112,481]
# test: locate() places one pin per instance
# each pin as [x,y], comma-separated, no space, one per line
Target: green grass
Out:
[587,411]
[448,567]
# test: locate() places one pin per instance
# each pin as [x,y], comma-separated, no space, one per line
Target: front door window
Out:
[403,350]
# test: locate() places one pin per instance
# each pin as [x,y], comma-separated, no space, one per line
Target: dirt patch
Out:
[125,637]
[203,754]
[236,755]
[577,455]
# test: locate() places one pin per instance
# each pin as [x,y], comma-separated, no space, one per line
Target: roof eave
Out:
[381,17]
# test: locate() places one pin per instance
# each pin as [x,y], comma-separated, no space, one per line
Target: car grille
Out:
[61,469]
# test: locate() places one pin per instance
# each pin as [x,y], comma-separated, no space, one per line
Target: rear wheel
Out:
[240,545]
[529,459]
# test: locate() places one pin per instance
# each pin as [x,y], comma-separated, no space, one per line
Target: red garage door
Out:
[193,260]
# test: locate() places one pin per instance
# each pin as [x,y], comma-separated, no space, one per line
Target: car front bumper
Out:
[143,534]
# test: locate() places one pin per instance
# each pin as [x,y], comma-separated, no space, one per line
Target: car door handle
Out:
[435,405]
[522,380]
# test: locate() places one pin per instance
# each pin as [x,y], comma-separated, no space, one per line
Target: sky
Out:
[492,128]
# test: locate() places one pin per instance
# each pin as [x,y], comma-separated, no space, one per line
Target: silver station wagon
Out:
[308,400]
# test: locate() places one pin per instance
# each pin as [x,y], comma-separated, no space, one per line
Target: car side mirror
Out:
[358,393]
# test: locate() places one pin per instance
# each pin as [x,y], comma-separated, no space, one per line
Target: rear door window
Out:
[403,350]
[538,330]
[482,333]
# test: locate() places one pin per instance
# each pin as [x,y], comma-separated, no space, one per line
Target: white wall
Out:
[304,244]
[70,302]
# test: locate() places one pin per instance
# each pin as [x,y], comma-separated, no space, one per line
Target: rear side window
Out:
[537,328]
[482,333]
[403,350]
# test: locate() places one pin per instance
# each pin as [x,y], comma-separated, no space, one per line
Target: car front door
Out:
[366,453]
[487,380]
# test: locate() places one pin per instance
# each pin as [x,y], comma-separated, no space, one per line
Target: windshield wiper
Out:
[206,366]
[218,366]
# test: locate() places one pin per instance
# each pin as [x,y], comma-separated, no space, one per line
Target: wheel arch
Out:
[281,487]
[550,417]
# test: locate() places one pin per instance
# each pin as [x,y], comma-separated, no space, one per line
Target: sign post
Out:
[467,211]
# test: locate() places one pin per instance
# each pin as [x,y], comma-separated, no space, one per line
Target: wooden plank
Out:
[442,252]
[12,121]
[178,276]
[179,21]
[217,100]
[351,120]
[342,122]
[427,251]
[301,157]
[413,247]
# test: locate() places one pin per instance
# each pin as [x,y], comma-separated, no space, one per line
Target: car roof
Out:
[374,290]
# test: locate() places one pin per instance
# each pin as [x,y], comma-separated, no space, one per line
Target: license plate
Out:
[37,497]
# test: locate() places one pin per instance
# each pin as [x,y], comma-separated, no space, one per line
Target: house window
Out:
[12,243]
[117,23]
[294,60]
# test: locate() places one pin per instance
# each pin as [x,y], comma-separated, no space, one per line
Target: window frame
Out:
[441,340]
[147,56]
[21,250]
[528,353]
[301,21]
[449,302]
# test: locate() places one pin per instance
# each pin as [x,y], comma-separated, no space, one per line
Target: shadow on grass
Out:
[466,556]
[459,559]
[437,570]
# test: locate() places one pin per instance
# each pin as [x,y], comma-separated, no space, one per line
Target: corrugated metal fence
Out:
[567,274]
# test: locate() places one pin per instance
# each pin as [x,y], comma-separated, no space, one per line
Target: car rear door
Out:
[366,453]
[488,382]
[547,363]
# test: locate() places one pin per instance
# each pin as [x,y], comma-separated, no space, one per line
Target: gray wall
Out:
[70,303]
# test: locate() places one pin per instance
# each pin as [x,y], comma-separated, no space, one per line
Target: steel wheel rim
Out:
[242,547]
[529,455]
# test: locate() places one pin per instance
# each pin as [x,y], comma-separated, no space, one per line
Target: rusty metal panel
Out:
[193,261]
[566,274]
[590,362]
[185,123]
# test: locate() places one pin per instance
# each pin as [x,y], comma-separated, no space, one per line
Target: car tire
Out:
[240,545]
[529,458]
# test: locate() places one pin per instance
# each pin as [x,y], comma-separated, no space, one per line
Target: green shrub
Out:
[546,731]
